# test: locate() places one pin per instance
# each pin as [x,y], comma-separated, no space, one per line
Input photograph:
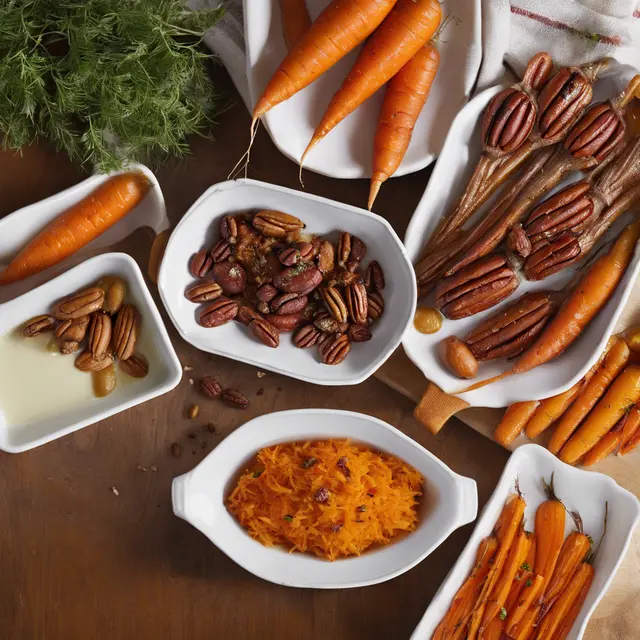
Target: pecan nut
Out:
[266,293]
[289,303]
[219,312]
[114,296]
[512,330]
[74,329]
[86,362]
[306,336]
[99,334]
[289,256]
[204,292]
[326,257]
[69,346]
[374,277]
[79,304]
[136,366]
[265,332]
[508,121]
[598,132]
[336,350]
[276,224]
[375,306]
[38,325]
[307,250]
[551,257]
[201,263]
[220,251]
[246,315]
[335,303]
[229,229]
[356,299]
[518,241]
[285,323]
[235,399]
[324,321]
[476,287]
[230,276]
[359,333]
[344,248]
[210,387]
[301,279]
[125,332]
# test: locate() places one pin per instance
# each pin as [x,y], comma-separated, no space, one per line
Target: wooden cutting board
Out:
[618,614]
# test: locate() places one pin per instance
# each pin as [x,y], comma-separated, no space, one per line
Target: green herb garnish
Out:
[528,583]
[257,474]
[288,518]
[107,81]
[308,463]
[503,614]
[525,566]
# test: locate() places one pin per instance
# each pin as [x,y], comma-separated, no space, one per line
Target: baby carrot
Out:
[549,528]
[514,594]
[525,629]
[405,96]
[551,409]
[632,444]
[572,614]
[606,446]
[611,365]
[631,423]
[623,393]
[78,226]
[514,421]
[295,20]
[340,28]
[529,591]
[406,29]
[494,630]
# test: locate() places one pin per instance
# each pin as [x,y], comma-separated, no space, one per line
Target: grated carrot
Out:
[332,498]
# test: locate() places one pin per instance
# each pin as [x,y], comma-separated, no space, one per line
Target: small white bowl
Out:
[199,498]
[164,367]
[199,228]
[582,491]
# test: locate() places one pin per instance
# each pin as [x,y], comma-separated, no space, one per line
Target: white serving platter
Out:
[455,164]
[165,370]
[21,226]
[346,152]
[450,500]
[582,491]
[199,228]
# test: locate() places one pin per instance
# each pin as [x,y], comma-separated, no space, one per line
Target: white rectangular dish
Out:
[199,498]
[346,152]
[582,491]
[455,164]
[199,227]
[165,370]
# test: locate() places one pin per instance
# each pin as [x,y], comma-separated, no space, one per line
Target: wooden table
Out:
[78,561]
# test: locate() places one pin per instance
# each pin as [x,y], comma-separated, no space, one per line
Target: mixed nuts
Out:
[265,272]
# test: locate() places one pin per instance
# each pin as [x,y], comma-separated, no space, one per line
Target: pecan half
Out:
[204,292]
[86,362]
[74,329]
[336,350]
[307,336]
[302,278]
[335,303]
[276,224]
[356,299]
[513,329]
[99,334]
[477,287]
[38,325]
[136,366]
[288,322]
[220,251]
[344,248]
[518,241]
[69,346]
[125,332]
[359,333]
[229,229]
[231,277]
[246,315]
[201,263]
[210,387]
[266,293]
[307,250]
[357,253]
[326,322]
[265,332]
[289,303]
[289,256]
[374,277]
[508,121]
[219,312]
[326,257]
[79,304]
[597,133]
[235,399]
[375,305]
[552,256]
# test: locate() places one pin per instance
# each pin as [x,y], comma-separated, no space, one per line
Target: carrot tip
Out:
[373,192]
[484,383]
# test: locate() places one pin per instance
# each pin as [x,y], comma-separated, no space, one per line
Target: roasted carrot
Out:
[514,594]
[531,556]
[78,226]
[295,20]
[610,443]
[631,424]
[459,612]
[506,515]
[611,365]
[551,409]
[499,593]
[620,397]
[529,591]
[494,630]
[513,421]
[339,29]
[406,29]
[572,614]
[403,101]
[579,308]
[549,527]
[525,629]
[582,579]
[632,444]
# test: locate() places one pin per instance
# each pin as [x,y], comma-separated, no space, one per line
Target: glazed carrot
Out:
[554,619]
[612,364]
[506,515]
[406,29]
[631,423]
[499,593]
[551,409]
[549,527]
[78,226]
[459,612]
[621,395]
[610,443]
[525,629]
[572,614]
[529,591]
[513,421]
[494,630]
[403,101]
[579,308]
[295,20]
[516,508]
[339,29]
[517,586]
[631,445]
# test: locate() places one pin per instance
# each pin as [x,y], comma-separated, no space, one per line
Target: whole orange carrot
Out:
[629,446]
[404,99]
[514,420]
[630,424]
[295,20]
[78,226]
[610,443]
[572,614]
[339,29]
[549,527]
[406,29]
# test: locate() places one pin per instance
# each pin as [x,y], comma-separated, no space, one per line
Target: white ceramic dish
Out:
[199,227]
[346,152]
[199,496]
[164,367]
[19,227]
[458,157]
[584,491]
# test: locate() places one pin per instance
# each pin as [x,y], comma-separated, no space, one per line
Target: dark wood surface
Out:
[79,562]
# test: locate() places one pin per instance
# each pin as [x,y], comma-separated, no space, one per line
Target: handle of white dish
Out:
[468,495]
[179,495]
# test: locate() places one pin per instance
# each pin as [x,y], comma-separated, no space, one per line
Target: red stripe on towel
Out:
[597,37]
[636,13]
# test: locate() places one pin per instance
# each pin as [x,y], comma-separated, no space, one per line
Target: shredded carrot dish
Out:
[331,498]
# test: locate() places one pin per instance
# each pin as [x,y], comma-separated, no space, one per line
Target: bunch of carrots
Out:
[398,51]
[524,585]
[597,416]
